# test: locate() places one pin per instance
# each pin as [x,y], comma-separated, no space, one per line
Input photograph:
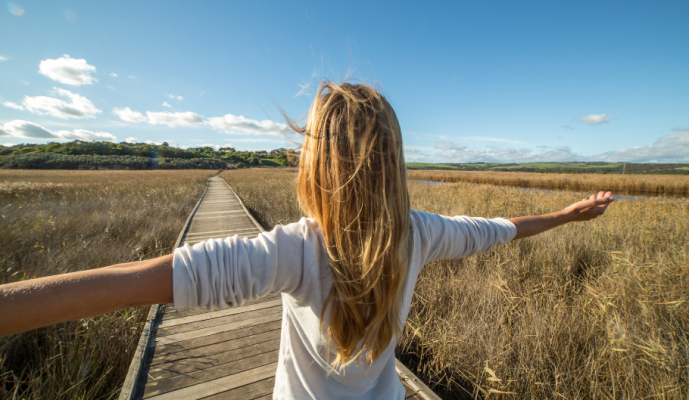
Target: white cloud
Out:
[77,106]
[240,125]
[671,148]
[68,70]
[171,119]
[132,140]
[110,87]
[13,105]
[114,75]
[507,155]
[491,139]
[165,104]
[126,114]
[3,58]
[409,150]
[448,145]
[595,119]
[26,129]
[178,98]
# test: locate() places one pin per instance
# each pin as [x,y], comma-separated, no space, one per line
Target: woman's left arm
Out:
[44,301]
[584,210]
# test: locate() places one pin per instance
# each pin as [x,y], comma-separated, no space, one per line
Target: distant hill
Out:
[562,167]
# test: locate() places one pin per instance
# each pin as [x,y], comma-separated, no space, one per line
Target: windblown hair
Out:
[352,181]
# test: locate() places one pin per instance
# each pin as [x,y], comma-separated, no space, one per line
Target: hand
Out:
[588,209]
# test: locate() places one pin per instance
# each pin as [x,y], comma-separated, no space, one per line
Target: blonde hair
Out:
[352,181]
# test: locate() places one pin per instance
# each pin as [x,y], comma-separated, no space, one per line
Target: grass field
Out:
[622,184]
[62,221]
[594,310]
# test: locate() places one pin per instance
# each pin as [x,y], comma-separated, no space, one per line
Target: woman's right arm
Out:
[44,301]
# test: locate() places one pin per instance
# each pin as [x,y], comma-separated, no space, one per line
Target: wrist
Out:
[564,216]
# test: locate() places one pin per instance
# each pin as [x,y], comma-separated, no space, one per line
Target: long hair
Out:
[353,182]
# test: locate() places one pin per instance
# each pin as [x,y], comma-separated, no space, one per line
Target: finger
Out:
[603,200]
[591,197]
[600,195]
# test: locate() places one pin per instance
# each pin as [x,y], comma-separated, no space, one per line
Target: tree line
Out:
[80,154]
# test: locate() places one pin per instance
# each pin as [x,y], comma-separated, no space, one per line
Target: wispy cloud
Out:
[234,124]
[114,75]
[12,105]
[172,96]
[75,106]
[671,148]
[67,70]
[165,104]
[595,119]
[449,145]
[26,129]
[491,139]
[132,140]
[567,127]
[170,119]
[3,58]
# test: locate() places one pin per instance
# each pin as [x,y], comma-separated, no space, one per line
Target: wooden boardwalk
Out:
[227,354]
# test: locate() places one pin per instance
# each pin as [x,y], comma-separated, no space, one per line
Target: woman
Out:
[346,273]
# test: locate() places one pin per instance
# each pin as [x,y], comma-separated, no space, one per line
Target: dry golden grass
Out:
[62,221]
[595,310]
[621,184]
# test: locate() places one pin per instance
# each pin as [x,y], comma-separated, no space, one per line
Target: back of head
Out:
[352,181]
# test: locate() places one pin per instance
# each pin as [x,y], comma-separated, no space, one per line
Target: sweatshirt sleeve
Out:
[460,236]
[221,273]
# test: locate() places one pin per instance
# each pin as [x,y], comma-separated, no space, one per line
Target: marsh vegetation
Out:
[62,221]
[591,310]
[621,184]
[594,310]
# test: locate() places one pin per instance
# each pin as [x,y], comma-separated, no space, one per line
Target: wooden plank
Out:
[224,341]
[171,312]
[254,391]
[182,367]
[220,385]
[227,320]
[219,232]
[216,314]
[197,377]
[276,316]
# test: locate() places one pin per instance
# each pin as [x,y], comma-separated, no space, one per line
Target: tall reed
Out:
[62,221]
[621,184]
[591,310]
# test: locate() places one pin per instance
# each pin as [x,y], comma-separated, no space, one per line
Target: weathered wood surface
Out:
[223,354]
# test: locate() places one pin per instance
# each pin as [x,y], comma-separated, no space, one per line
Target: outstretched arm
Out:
[584,210]
[44,301]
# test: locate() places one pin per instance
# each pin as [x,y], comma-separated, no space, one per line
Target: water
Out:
[529,190]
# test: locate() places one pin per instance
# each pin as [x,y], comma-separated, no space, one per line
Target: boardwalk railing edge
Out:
[129,386]
[421,389]
[245,208]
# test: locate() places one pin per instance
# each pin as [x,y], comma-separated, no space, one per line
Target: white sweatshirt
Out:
[292,260]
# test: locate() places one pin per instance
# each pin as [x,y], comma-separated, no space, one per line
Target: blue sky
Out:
[470,81]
